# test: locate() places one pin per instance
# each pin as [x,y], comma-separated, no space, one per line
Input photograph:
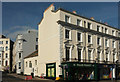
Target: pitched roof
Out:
[35,53]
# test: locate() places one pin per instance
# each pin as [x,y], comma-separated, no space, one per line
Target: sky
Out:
[18,17]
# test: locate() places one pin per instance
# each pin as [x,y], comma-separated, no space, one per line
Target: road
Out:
[6,77]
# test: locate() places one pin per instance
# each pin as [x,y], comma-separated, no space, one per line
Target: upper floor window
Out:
[89,25]
[67,19]
[106,30]
[6,48]
[98,41]
[79,22]
[118,34]
[6,42]
[6,55]
[85,24]
[19,55]
[36,39]
[0,54]
[98,53]
[89,39]
[6,63]
[35,62]
[106,42]
[119,44]
[1,42]
[113,44]
[26,63]
[67,34]
[36,47]
[98,28]
[79,37]
[30,64]
[89,55]
[113,32]
[79,54]
[67,53]
[19,65]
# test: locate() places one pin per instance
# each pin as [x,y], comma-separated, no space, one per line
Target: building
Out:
[24,45]
[77,48]
[31,64]
[6,47]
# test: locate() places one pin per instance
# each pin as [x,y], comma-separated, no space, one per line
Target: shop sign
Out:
[51,65]
[81,65]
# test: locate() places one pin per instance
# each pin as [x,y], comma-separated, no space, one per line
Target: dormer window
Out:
[79,22]
[89,26]
[67,19]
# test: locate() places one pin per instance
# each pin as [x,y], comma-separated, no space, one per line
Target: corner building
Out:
[77,48]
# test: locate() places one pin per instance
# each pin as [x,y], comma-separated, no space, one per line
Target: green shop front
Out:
[51,71]
[87,71]
[78,71]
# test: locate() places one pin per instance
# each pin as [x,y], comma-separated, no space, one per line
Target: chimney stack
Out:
[74,12]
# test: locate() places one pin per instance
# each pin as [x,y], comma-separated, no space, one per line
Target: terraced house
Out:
[77,48]
[6,47]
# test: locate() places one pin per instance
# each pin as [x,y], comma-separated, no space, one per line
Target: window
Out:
[67,33]
[36,47]
[6,42]
[0,62]
[85,24]
[113,57]
[6,63]
[89,25]
[98,53]
[98,41]
[79,22]
[89,55]
[6,48]
[106,30]
[19,65]
[89,39]
[98,28]
[119,44]
[30,64]
[79,54]
[19,45]
[35,62]
[1,42]
[36,39]
[19,55]
[119,34]
[6,55]
[79,36]
[113,44]
[26,64]
[106,42]
[106,56]
[67,53]
[0,54]
[67,19]
[113,32]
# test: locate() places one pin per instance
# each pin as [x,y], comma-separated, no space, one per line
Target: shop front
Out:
[78,71]
[51,70]
[118,72]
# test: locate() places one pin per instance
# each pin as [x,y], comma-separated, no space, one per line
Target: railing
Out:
[87,61]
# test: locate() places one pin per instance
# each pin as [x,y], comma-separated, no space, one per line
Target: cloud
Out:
[14,31]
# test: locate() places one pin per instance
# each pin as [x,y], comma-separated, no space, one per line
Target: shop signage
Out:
[85,65]
[51,65]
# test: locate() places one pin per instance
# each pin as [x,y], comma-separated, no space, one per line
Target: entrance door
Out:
[51,70]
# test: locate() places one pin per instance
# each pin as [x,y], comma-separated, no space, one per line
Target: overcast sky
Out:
[18,17]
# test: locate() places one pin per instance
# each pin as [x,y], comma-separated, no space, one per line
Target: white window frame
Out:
[70,34]
[90,38]
[80,22]
[80,36]
[99,42]
[90,25]
[69,21]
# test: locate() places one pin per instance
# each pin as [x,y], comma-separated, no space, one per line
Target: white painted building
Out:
[25,44]
[6,46]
